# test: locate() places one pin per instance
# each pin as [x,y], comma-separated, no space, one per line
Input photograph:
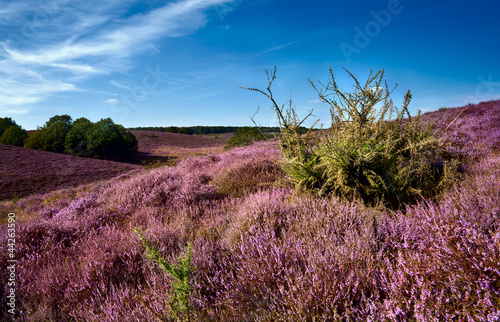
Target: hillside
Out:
[26,171]
[164,146]
[260,250]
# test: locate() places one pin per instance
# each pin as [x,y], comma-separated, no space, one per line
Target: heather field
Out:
[25,171]
[165,147]
[260,250]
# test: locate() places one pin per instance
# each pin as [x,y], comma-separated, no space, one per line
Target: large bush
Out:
[111,141]
[11,133]
[5,123]
[55,131]
[51,136]
[373,150]
[76,142]
[244,136]
[35,139]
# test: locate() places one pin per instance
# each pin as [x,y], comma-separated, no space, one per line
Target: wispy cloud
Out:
[115,83]
[314,101]
[112,101]
[12,11]
[75,42]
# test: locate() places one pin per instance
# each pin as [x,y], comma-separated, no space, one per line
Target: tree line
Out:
[103,139]
[202,130]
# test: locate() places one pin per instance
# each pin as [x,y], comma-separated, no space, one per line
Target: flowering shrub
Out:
[262,254]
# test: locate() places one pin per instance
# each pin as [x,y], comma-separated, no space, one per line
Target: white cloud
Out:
[115,83]
[132,36]
[14,111]
[82,39]
[12,11]
[21,86]
[112,101]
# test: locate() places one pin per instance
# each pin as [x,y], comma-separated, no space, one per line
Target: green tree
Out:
[111,141]
[35,139]
[14,135]
[104,139]
[5,123]
[131,143]
[186,130]
[173,129]
[76,142]
[53,133]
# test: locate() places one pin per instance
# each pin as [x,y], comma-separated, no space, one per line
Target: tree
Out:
[186,130]
[5,123]
[103,140]
[52,135]
[14,135]
[173,129]
[35,139]
[111,141]
[76,142]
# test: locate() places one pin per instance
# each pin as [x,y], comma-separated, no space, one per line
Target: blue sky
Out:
[162,63]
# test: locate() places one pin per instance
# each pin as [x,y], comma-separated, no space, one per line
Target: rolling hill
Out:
[26,171]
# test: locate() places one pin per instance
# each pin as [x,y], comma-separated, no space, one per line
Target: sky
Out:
[181,63]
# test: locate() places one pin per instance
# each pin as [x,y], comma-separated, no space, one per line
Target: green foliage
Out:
[244,136]
[51,136]
[379,155]
[186,130]
[5,123]
[35,139]
[76,142]
[14,135]
[11,133]
[111,141]
[104,139]
[181,273]
[173,129]
[202,130]
[54,133]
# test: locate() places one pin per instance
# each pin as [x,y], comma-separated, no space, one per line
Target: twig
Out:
[454,120]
